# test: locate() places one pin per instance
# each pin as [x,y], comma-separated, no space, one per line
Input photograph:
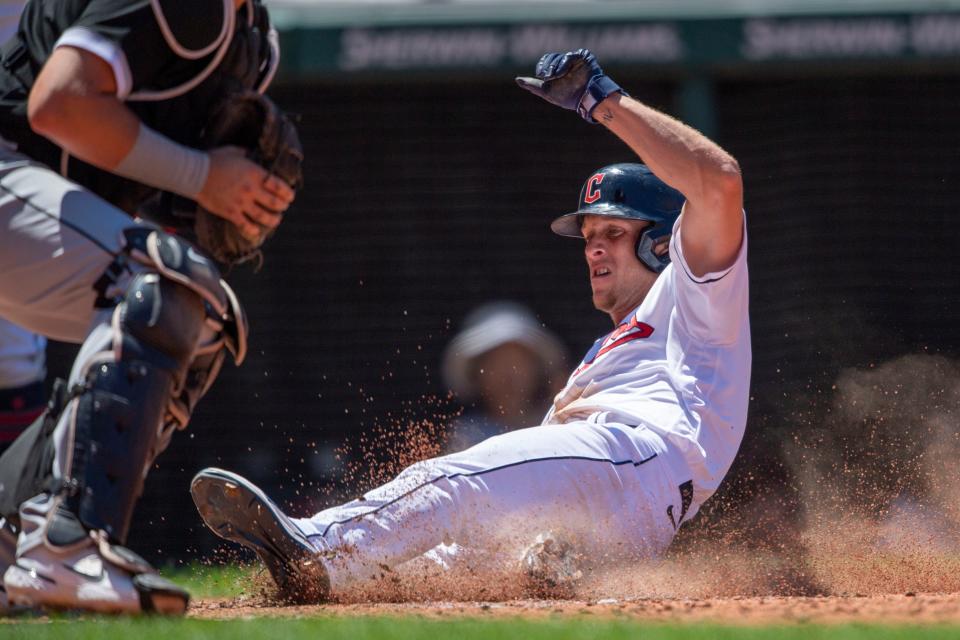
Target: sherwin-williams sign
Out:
[681,42]
[492,46]
[818,38]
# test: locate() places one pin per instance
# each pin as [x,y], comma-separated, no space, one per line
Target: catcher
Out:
[137,153]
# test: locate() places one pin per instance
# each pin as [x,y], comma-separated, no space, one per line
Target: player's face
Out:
[618,279]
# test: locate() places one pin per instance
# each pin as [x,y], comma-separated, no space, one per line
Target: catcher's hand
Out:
[255,169]
[244,193]
[572,80]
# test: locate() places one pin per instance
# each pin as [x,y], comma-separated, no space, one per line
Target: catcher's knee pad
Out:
[177,260]
[225,322]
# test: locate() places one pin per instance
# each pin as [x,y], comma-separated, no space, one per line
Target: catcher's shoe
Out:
[61,565]
[550,567]
[237,510]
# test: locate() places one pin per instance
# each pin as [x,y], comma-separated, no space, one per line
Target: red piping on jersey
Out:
[643,330]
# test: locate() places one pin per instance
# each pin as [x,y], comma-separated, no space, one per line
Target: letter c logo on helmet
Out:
[631,192]
[592,192]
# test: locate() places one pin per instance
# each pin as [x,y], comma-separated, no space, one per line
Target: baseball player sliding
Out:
[648,423]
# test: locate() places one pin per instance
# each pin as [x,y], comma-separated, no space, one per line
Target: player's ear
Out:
[662,247]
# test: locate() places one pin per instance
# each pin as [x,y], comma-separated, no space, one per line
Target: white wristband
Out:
[158,161]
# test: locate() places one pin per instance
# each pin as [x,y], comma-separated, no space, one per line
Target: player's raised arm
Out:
[709,177]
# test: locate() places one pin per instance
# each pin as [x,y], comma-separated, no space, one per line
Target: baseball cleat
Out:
[237,510]
[550,567]
[62,566]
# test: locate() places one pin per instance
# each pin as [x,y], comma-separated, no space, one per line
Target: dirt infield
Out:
[847,572]
[886,609]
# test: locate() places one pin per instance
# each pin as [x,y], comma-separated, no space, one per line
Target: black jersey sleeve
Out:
[151,45]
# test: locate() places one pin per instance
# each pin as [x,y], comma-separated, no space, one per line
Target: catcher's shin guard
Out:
[116,424]
[138,379]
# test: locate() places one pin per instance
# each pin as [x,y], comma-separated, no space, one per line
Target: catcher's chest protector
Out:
[182,58]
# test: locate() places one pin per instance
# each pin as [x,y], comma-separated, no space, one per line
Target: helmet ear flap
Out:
[646,249]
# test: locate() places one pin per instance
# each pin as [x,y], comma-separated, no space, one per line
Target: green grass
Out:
[389,628]
[205,581]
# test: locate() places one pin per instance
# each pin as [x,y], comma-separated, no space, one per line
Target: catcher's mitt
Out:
[252,121]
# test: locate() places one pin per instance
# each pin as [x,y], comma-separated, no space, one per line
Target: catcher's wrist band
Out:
[158,161]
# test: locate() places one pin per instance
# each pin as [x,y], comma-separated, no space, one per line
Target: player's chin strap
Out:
[137,379]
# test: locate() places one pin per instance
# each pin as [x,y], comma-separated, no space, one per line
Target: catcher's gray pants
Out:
[56,242]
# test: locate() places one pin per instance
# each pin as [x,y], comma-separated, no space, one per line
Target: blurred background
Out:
[431,180]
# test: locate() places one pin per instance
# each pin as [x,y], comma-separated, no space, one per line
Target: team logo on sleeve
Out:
[626,332]
[591,193]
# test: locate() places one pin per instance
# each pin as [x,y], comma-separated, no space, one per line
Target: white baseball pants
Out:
[606,487]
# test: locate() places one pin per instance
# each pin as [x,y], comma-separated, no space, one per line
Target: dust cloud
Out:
[876,495]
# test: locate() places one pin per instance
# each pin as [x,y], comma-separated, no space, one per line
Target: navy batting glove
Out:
[572,80]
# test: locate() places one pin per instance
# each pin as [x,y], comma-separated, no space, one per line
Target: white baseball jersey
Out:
[679,364]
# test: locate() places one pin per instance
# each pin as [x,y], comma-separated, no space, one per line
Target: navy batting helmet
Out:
[629,191]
